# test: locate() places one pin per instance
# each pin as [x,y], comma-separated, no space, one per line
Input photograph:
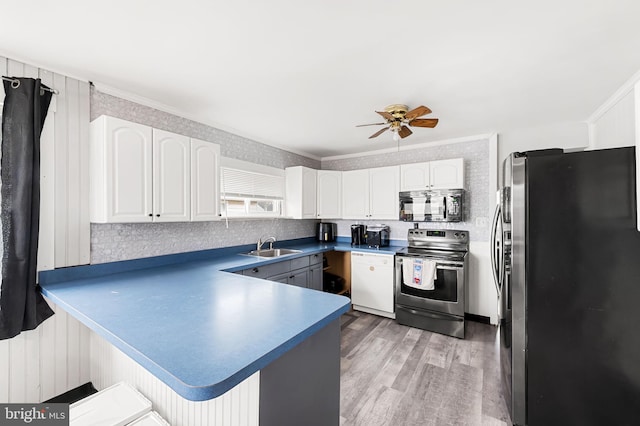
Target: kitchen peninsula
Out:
[205,333]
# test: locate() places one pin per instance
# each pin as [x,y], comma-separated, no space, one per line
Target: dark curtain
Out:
[22,307]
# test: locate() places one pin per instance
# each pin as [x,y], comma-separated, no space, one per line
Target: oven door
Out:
[447,295]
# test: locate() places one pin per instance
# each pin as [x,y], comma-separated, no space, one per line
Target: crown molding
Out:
[615,98]
[412,147]
[151,103]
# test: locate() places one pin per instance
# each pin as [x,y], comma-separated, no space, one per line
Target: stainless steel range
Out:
[431,280]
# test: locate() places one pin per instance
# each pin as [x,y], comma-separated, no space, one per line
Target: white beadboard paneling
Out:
[64,224]
[238,407]
[47,362]
[33,365]
[616,127]
[17,369]
[46,242]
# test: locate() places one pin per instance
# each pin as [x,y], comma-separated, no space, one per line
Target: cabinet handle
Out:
[150,215]
[158,215]
[255,270]
[292,277]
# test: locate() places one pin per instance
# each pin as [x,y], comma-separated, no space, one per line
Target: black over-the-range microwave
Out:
[432,206]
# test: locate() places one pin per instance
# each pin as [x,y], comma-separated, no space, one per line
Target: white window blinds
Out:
[242,183]
[251,190]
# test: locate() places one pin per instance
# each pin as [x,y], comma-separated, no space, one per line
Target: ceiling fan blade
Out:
[379,132]
[424,122]
[372,124]
[404,131]
[417,112]
[386,115]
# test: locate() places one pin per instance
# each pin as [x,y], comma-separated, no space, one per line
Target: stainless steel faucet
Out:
[269,240]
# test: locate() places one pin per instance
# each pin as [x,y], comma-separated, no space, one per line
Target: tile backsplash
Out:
[124,241]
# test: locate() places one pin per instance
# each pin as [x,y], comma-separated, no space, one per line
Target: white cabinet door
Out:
[355,194]
[447,174]
[414,177]
[171,177]
[300,197]
[121,175]
[329,194]
[384,185]
[205,181]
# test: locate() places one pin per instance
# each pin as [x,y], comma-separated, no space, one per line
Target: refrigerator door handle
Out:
[494,261]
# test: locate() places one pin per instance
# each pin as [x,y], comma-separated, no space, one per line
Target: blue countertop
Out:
[195,326]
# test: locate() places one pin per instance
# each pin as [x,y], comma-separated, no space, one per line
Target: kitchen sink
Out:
[272,252]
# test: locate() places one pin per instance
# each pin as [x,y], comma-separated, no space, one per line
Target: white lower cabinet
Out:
[372,283]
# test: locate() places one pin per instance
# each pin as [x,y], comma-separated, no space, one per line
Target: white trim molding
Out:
[109,90]
[411,147]
[614,99]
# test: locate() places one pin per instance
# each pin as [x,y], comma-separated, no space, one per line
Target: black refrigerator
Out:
[566,261]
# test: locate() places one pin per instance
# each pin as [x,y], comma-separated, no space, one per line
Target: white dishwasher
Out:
[372,288]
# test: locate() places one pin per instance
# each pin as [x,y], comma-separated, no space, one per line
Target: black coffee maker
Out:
[357,234]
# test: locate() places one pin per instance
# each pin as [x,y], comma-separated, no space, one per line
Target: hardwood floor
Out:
[396,375]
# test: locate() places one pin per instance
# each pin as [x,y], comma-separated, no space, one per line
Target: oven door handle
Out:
[430,314]
[450,268]
[438,265]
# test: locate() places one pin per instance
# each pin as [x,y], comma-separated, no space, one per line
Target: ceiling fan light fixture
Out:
[396,136]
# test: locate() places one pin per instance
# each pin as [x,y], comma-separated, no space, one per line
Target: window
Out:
[251,190]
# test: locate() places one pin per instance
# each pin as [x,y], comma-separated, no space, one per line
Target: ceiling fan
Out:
[398,117]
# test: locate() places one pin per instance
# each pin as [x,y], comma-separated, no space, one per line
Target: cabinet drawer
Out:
[267,270]
[314,259]
[301,262]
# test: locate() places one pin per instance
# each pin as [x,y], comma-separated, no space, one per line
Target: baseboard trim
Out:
[477,318]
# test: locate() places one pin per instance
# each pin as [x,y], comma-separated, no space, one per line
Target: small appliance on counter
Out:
[357,234]
[327,231]
[377,236]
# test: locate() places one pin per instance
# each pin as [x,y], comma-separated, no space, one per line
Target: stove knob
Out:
[456,235]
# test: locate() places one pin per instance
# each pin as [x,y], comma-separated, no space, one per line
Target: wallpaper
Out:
[113,242]
[477,197]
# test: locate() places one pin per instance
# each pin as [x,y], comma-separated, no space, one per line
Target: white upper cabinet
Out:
[205,181]
[121,171]
[371,193]
[384,185]
[355,194]
[300,192]
[441,174]
[171,177]
[140,174]
[329,189]
[414,177]
[447,174]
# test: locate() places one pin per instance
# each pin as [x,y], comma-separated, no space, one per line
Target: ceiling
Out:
[301,75]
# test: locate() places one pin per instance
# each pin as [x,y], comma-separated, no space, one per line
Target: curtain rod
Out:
[15,83]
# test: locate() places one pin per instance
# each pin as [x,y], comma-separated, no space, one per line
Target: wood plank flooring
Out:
[394,375]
